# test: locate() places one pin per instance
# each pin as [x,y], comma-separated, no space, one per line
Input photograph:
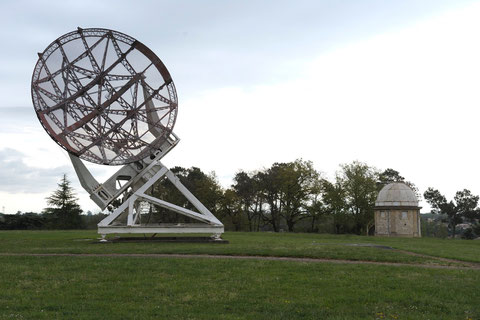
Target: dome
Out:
[396,194]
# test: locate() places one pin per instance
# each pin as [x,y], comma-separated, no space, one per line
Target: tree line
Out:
[63,212]
[293,196]
[287,196]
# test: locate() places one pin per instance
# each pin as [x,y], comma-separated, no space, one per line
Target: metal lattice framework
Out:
[104,96]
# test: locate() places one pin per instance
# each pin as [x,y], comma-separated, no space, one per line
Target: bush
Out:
[469,234]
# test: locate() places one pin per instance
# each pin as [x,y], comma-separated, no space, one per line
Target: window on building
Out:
[404,215]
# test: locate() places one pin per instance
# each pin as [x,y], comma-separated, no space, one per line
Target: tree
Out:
[297,183]
[22,221]
[270,191]
[64,211]
[440,205]
[476,229]
[465,205]
[230,209]
[334,199]
[359,182]
[316,209]
[203,186]
[469,234]
[288,192]
[247,188]
[390,175]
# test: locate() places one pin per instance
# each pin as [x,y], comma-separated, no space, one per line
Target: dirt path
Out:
[462,265]
[471,265]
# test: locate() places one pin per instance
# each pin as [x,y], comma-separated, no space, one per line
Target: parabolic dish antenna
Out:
[106,98]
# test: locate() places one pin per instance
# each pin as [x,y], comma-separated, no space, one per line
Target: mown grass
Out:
[263,244]
[181,288]
[466,250]
[122,287]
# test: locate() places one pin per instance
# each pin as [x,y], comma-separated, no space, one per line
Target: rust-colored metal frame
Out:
[78,116]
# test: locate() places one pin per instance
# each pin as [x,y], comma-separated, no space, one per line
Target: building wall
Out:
[397,222]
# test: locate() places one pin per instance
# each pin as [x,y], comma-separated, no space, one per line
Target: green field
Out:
[152,287]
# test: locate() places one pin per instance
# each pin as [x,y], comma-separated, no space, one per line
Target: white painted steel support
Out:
[139,178]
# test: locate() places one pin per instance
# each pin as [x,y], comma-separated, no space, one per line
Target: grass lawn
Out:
[172,288]
[107,287]
[244,243]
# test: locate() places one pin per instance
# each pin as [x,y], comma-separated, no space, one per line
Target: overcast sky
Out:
[394,84]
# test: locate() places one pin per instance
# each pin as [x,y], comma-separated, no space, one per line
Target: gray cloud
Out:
[205,44]
[20,114]
[16,176]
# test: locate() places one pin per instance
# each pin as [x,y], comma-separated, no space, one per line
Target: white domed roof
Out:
[396,194]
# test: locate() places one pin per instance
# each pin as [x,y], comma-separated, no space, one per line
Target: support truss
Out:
[138,178]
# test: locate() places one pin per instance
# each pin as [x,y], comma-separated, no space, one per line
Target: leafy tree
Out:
[433,228]
[22,221]
[203,186]
[270,191]
[64,211]
[358,181]
[469,234]
[287,189]
[247,188]
[476,229]
[297,184]
[230,208]
[465,205]
[390,175]
[334,199]
[316,209]
[440,205]
[90,221]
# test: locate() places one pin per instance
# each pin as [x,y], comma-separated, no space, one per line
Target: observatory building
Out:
[397,213]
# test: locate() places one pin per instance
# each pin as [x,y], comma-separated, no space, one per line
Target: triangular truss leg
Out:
[204,215]
[139,182]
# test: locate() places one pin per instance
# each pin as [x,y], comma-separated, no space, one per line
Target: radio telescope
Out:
[108,99]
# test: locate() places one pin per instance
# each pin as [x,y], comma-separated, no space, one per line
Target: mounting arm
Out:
[104,193]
